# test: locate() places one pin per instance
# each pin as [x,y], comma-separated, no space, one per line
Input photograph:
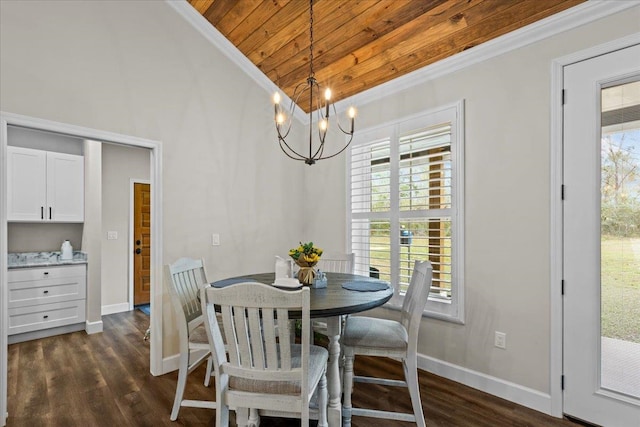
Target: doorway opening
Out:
[155,260]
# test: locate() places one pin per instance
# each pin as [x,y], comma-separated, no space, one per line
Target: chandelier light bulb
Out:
[323,125]
[351,112]
[327,94]
[276,98]
[280,118]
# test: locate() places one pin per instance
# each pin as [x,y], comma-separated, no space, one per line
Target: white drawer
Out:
[45,291]
[31,318]
[38,273]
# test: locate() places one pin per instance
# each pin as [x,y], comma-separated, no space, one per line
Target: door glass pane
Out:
[620,239]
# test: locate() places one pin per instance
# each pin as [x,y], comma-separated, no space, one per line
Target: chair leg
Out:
[183,371]
[322,402]
[222,410]
[242,417]
[410,366]
[254,418]
[348,387]
[207,376]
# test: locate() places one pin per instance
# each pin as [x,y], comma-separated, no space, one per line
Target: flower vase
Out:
[306,275]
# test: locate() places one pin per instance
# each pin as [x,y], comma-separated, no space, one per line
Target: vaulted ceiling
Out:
[359,44]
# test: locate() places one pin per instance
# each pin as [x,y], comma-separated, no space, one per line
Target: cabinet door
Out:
[26,192]
[65,187]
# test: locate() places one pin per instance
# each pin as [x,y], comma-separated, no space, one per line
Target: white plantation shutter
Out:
[405,205]
[370,205]
[425,190]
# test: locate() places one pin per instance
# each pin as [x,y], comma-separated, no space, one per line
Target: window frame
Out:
[452,310]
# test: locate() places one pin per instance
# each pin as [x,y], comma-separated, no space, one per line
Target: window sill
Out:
[428,314]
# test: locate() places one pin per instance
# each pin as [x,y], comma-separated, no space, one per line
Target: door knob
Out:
[138,251]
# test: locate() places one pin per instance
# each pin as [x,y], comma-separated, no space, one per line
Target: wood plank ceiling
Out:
[359,44]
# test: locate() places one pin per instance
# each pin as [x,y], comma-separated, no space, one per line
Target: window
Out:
[406,196]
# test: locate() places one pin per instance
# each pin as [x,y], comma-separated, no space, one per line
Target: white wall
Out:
[137,68]
[119,165]
[507,201]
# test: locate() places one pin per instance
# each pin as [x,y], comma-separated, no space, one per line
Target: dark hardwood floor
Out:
[103,380]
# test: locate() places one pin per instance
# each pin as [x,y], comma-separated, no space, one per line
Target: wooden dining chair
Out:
[332,263]
[185,278]
[388,338]
[261,369]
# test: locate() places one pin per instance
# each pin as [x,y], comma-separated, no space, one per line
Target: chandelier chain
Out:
[312,74]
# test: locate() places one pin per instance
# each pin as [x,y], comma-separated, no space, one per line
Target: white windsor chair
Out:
[185,278]
[389,338]
[263,370]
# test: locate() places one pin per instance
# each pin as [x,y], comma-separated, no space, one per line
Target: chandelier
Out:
[320,106]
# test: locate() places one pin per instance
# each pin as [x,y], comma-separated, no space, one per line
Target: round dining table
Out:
[331,303]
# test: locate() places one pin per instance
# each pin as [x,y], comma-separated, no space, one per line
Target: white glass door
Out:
[601,162]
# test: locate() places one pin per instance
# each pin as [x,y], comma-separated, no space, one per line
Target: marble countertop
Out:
[43,259]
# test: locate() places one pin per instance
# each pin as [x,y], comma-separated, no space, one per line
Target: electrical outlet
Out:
[112,235]
[500,340]
[215,240]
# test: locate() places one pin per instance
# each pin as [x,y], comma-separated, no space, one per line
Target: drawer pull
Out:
[46,292]
[45,316]
[46,273]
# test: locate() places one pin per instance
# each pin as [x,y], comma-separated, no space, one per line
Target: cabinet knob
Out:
[138,242]
[45,316]
[138,251]
[46,292]
[46,273]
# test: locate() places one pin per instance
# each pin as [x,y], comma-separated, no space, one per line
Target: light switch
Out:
[215,240]
[112,235]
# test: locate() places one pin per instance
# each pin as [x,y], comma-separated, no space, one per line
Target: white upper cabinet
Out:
[44,186]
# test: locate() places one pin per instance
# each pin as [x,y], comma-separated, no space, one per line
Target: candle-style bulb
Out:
[280,118]
[351,112]
[323,125]
[327,94]
[276,98]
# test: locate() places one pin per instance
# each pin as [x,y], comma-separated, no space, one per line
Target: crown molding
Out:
[211,33]
[576,16]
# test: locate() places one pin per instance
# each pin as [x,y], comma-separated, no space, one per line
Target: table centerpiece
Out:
[306,256]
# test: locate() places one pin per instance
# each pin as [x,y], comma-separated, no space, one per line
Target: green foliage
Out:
[621,288]
[621,219]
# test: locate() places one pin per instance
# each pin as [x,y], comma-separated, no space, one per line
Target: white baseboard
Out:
[93,327]
[507,390]
[170,364]
[115,308]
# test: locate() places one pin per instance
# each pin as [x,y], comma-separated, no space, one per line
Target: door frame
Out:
[132,183]
[156,364]
[556,209]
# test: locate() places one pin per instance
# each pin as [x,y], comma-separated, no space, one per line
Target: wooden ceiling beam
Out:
[357,28]
[237,15]
[296,15]
[255,20]
[359,44]
[438,23]
[218,10]
[201,5]
[472,35]
[270,24]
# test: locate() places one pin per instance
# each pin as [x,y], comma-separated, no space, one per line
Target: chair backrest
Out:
[185,278]
[416,298]
[336,263]
[256,331]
